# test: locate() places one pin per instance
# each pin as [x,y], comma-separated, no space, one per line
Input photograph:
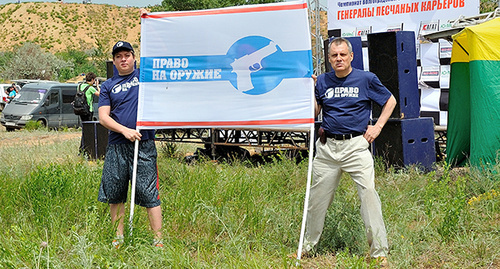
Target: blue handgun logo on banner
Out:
[258,65]
[253,65]
[244,66]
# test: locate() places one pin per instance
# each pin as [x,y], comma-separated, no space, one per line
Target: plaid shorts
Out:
[117,173]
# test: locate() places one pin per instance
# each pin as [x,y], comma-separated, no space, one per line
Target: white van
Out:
[3,95]
[46,103]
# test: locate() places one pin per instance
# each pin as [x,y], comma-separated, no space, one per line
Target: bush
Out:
[30,62]
[34,125]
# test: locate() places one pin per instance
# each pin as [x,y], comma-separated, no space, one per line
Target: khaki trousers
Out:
[333,158]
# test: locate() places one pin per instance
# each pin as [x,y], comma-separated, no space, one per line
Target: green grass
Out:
[238,215]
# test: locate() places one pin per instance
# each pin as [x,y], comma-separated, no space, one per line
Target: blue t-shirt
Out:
[346,102]
[121,94]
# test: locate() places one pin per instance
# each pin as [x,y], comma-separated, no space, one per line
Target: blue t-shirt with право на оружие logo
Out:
[346,102]
[121,93]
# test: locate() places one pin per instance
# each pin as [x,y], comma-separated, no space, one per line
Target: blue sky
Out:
[135,3]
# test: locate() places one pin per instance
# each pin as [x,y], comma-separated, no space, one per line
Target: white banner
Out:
[361,17]
[239,67]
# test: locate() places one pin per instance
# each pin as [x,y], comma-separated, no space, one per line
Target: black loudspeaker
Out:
[404,142]
[357,48]
[95,139]
[110,69]
[393,58]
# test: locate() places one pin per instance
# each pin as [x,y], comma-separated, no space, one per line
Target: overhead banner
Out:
[361,17]
[239,67]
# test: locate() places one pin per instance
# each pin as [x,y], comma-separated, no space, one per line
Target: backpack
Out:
[80,105]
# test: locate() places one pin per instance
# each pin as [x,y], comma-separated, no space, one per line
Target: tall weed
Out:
[235,214]
[344,228]
[445,200]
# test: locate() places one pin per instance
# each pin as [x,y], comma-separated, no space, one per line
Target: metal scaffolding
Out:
[461,22]
[315,20]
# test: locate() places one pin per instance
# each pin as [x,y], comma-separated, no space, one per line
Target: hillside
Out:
[57,26]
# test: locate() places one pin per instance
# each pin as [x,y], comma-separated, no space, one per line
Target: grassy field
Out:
[238,215]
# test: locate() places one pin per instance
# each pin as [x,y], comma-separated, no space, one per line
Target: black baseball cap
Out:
[122,45]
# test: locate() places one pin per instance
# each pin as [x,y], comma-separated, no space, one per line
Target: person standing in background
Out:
[90,80]
[90,91]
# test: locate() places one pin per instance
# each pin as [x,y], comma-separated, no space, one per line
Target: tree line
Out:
[175,5]
[31,61]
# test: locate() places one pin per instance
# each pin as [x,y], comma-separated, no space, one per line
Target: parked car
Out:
[3,95]
[46,103]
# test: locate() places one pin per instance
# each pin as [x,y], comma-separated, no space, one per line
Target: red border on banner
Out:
[224,123]
[225,11]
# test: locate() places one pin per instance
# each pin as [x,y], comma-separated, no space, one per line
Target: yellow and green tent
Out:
[473,131]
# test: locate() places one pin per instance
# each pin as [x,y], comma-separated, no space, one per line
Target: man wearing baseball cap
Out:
[122,46]
[118,112]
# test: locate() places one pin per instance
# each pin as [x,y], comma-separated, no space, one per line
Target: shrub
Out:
[30,62]
[33,125]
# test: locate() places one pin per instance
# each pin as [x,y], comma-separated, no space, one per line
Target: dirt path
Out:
[17,138]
